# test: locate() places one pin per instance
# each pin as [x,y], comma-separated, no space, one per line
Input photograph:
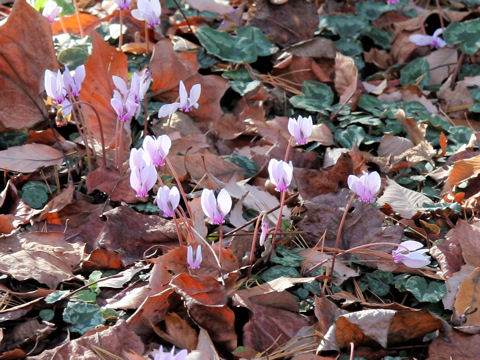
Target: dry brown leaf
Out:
[461,171]
[453,284]
[468,299]
[468,236]
[404,201]
[97,88]
[24,57]
[448,254]
[45,257]
[441,62]
[115,339]
[115,185]
[392,145]
[29,158]
[415,130]
[346,77]
[454,345]
[322,134]
[69,24]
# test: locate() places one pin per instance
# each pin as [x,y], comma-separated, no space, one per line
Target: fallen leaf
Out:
[322,134]
[415,130]
[454,345]
[111,182]
[468,299]
[130,233]
[391,145]
[70,24]
[453,285]
[346,77]
[461,171]
[221,7]
[448,254]
[21,81]
[289,23]
[97,88]
[441,62]
[29,158]
[114,339]
[404,201]
[45,257]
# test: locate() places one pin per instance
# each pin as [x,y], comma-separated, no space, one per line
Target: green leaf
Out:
[476,99]
[72,50]
[349,46]
[455,207]
[277,271]
[353,134]
[245,163]
[35,194]
[46,314]
[246,47]
[371,10]
[318,97]
[56,296]
[380,38]
[378,282]
[238,75]
[344,25]
[424,291]
[205,60]
[86,295]
[400,281]
[466,33]
[244,87]
[287,257]
[416,72]
[67,5]
[82,316]
[95,276]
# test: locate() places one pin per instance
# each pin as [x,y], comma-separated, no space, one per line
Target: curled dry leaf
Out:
[467,299]
[346,77]
[112,183]
[403,201]
[69,24]
[454,345]
[21,81]
[461,171]
[29,158]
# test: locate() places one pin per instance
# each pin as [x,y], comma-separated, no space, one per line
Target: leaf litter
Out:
[296,258]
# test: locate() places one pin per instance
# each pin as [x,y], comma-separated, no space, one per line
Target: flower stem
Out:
[77,12]
[182,192]
[254,241]
[146,38]
[289,148]
[120,41]
[340,229]
[220,245]
[279,222]
[179,233]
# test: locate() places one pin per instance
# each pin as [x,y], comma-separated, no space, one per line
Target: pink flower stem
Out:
[80,124]
[182,192]
[77,12]
[117,156]
[340,229]
[179,233]
[279,222]
[145,109]
[146,37]
[220,245]
[120,41]
[289,148]
[316,266]
[254,241]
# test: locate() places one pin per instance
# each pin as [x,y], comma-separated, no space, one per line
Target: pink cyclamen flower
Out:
[55,88]
[157,148]
[411,254]
[186,102]
[148,11]
[392,1]
[281,174]
[125,108]
[264,233]
[194,264]
[300,129]
[216,209]
[51,11]
[365,186]
[160,355]
[167,200]
[143,174]
[73,84]
[123,4]
[434,41]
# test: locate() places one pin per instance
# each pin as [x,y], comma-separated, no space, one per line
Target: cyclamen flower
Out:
[300,129]
[392,1]
[264,233]
[186,103]
[181,355]
[365,186]
[434,41]
[55,88]
[124,107]
[194,264]
[143,174]
[216,209]
[167,200]
[148,11]
[51,11]
[411,254]
[157,148]
[123,4]
[281,174]
[73,85]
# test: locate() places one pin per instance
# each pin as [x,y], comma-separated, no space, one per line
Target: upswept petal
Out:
[174,197]
[149,177]
[224,202]
[420,40]
[120,84]
[182,92]
[411,245]
[168,109]
[208,202]
[195,93]
[437,32]
[190,256]
[415,260]
[164,144]
[198,261]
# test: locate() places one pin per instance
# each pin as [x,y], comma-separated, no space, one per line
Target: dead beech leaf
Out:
[70,24]
[448,254]
[346,77]
[391,145]
[453,285]
[454,345]
[404,201]
[29,158]
[462,170]
[468,236]
[97,88]
[467,299]
[322,134]
[114,339]
[441,62]
[221,7]
[111,182]
[415,130]
[182,334]
[21,81]
[45,257]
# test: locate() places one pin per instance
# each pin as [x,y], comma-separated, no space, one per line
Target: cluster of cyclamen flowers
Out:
[147,10]
[62,88]
[126,100]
